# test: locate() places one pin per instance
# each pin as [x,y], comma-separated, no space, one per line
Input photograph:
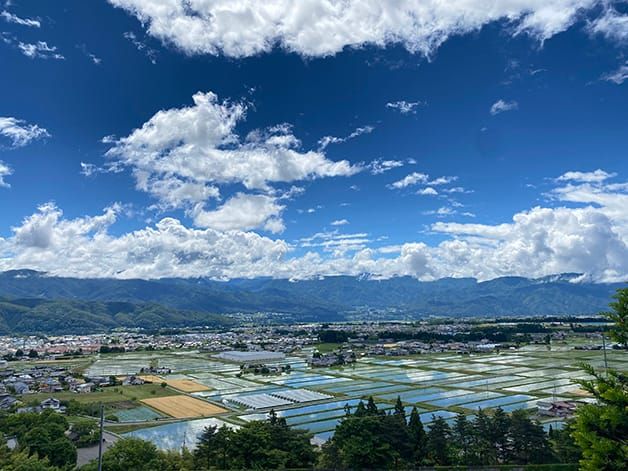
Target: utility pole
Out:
[604,349]
[102,423]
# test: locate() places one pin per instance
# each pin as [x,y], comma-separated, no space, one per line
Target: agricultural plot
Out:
[177,435]
[183,406]
[442,385]
[137,414]
[186,385]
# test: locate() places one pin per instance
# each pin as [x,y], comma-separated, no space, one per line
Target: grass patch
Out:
[108,395]
[327,347]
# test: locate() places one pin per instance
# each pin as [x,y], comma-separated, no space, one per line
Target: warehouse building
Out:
[251,358]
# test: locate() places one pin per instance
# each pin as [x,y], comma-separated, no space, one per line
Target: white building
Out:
[251,357]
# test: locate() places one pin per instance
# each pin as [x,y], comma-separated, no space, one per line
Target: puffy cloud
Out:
[501,106]
[182,156]
[19,132]
[428,191]
[589,239]
[409,180]
[239,28]
[82,247]
[445,180]
[243,212]
[339,222]
[199,144]
[11,18]
[5,171]
[404,107]
[586,233]
[598,175]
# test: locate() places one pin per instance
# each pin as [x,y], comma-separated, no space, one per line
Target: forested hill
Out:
[328,298]
[39,316]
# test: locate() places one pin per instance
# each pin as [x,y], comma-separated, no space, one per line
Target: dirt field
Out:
[186,385]
[183,406]
[152,378]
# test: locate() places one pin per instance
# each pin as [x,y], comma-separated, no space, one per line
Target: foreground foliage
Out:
[370,438]
[601,429]
[41,435]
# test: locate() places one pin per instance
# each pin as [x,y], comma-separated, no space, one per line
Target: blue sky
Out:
[234,139]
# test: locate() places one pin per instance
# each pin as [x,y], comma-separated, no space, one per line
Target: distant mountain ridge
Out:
[329,298]
[42,316]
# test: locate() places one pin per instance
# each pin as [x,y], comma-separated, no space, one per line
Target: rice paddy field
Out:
[316,399]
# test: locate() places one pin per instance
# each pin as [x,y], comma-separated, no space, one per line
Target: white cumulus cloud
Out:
[243,212]
[586,232]
[182,156]
[239,28]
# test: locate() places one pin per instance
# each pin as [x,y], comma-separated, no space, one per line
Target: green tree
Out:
[619,317]
[399,410]
[499,436]
[601,430]
[439,442]
[529,441]
[359,443]
[416,432]
[360,410]
[86,433]
[564,446]
[127,454]
[371,407]
[462,434]
[259,444]
[482,449]
[20,460]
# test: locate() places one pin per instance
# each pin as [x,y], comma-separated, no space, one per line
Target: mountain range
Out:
[155,303]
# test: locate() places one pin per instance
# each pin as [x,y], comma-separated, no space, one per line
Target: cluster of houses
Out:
[563,409]
[412,347]
[42,379]
[341,357]
[46,379]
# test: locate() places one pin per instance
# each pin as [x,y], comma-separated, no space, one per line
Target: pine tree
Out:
[371,408]
[439,442]
[619,317]
[360,410]
[601,430]
[500,427]
[483,451]
[417,435]
[399,410]
[529,441]
[462,437]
